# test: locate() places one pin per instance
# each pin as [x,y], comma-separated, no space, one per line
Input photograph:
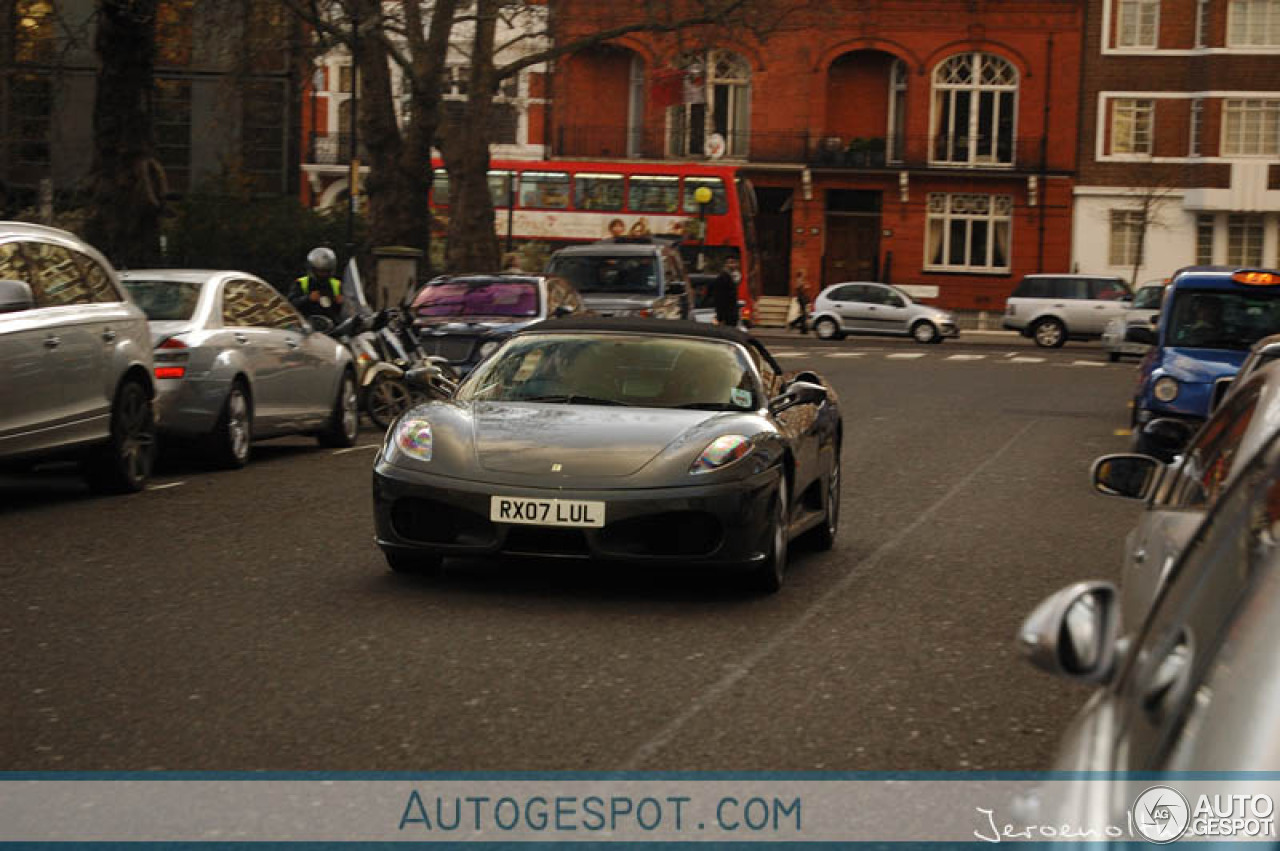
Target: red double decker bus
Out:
[564,202]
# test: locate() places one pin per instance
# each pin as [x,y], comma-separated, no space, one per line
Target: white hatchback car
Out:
[859,307]
[1141,312]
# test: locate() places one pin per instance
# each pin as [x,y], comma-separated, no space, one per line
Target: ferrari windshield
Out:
[614,369]
[1223,319]
[478,298]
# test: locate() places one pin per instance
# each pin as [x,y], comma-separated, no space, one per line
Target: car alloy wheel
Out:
[344,420]
[233,433]
[386,399]
[924,332]
[124,464]
[1049,334]
[825,535]
[826,329]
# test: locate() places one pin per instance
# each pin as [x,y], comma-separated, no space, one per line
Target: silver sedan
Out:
[234,361]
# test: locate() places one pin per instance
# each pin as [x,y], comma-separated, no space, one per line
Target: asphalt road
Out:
[244,620]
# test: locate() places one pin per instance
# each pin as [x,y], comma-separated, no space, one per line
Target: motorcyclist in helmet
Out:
[318,292]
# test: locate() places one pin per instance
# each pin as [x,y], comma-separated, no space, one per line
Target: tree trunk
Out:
[393,216]
[473,242]
[127,181]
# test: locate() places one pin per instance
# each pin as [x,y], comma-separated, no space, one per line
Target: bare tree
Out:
[1151,190]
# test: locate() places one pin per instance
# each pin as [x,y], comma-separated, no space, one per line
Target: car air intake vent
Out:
[674,533]
[542,541]
[431,522]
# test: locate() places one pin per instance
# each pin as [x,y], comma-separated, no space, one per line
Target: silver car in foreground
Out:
[75,360]
[869,308]
[1179,494]
[234,362]
[1195,685]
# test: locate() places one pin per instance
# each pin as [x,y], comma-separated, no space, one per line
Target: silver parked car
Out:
[1179,494]
[75,360]
[1051,309]
[1141,312]
[234,361]
[1193,686]
[858,307]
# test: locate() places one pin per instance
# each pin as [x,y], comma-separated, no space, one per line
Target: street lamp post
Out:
[703,196]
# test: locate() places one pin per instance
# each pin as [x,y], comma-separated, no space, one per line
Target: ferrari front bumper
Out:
[716,524]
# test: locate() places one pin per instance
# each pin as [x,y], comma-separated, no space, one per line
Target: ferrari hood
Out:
[588,441]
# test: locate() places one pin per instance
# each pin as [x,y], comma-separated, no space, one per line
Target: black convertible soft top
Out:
[639,325]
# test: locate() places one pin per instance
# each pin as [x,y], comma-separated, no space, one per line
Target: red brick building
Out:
[930,144]
[1180,136]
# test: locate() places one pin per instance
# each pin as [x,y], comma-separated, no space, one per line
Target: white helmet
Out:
[321,262]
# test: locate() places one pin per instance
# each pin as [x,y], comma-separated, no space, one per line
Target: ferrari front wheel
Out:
[766,576]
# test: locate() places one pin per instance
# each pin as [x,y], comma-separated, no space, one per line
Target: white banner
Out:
[631,808]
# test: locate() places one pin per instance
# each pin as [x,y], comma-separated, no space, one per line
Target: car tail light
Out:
[171,357]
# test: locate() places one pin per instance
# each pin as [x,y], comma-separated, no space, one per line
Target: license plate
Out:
[546,512]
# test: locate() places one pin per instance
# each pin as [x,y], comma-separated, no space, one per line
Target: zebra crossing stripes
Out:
[1004,357]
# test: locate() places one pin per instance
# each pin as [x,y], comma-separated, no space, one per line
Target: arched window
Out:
[897,110]
[714,118]
[975,99]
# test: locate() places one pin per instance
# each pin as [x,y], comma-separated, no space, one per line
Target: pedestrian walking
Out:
[724,293]
[799,304]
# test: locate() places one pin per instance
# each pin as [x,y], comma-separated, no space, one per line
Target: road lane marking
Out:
[1087,363]
[787,353]
[1021,359]
[357,448]
[966,357]
[905,356]
[844,354]
[1123,432]
[785,634]
[165,486]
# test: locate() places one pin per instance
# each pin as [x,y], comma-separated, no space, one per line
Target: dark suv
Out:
[619,278]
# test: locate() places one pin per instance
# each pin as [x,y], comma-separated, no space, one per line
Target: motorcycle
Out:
[384,386]
[428,376]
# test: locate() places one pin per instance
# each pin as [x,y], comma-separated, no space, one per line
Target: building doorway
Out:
[852,251]
[773,235]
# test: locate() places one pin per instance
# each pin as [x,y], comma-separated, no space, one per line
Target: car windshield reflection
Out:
[164,301]
[496,298]
[581,369]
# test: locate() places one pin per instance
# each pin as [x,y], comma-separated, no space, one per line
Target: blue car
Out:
[1210,318]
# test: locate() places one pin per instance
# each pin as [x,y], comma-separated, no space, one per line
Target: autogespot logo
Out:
[1161,814]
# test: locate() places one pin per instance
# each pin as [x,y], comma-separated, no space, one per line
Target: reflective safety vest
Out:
[305,283]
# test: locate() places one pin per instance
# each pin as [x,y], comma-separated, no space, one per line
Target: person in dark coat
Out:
[724,293]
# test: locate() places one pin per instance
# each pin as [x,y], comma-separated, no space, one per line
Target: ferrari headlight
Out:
[1165,389]
[722,452]
[413,438]
[489,347]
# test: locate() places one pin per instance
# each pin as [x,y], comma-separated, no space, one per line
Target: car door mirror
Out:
[1072,634]
[562,311]
[798,393]
[1128,476]
[1155,319]
[15,296]
[322,324]
[1139,334]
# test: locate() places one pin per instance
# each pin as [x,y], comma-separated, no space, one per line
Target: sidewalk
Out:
[975,327]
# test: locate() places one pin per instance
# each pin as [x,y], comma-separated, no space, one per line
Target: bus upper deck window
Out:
[654,194]
[597,191]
